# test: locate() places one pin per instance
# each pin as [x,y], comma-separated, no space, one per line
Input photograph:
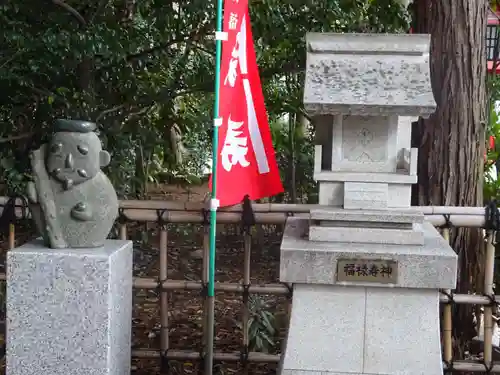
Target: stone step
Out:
[361,224]
[414,236]
[395,216]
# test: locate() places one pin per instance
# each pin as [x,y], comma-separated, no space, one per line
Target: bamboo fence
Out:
[165,213]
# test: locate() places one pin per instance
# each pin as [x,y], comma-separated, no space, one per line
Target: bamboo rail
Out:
[267,218]
[165,213]
[151,205]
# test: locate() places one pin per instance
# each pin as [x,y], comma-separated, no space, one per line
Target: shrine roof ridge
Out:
[368,44]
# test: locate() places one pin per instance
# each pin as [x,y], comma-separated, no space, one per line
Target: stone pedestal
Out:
[69,311]
[371,326]
[366,268]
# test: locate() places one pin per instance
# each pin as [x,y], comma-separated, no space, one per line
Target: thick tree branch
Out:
[142,54]
[191,38]
[168,94]
[71,10]
[17,137]
[114,109]
[200,47]
[158,48]
[99,9]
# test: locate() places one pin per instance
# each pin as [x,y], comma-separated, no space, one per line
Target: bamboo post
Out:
[214,203]
[204,280]
[447,321]
[123,231]
[12,236]
[164,345]
[488,290]
[246,284]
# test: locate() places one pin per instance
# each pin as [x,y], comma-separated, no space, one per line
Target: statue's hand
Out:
[31,192]
[81,212]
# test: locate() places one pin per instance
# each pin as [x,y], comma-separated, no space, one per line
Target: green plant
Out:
[491,189]
[144,71]
[15,181]
[261,325]
[295,157]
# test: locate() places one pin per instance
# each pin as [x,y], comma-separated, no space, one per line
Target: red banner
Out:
[247,163]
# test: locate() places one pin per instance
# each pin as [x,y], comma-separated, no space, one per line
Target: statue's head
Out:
[74,153]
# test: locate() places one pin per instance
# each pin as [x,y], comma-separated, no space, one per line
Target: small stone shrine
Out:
[366,268]
[69,293]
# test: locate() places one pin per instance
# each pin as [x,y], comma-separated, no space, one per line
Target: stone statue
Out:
[72,201]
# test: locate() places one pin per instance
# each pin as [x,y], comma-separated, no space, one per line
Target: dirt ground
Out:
[186,307]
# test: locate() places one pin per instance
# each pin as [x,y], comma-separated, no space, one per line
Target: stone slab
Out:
[409,216]
[361,224]
[404,131]
[368,74]
[392,345]
[367,235]
[362,195]
[386,178]
[318,152]
[413,161]
[432,265]
[364,144]
[324,334]
[362,330]
[69,311]
[332,194]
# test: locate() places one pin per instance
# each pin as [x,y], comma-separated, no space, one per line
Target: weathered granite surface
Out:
[433,265]
[393,76]
[69,311]
[342,330]
[73,202]
[367,235]
[408,216]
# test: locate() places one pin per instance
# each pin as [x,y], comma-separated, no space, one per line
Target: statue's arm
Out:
[46,199]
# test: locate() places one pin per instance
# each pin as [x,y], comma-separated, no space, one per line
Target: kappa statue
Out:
[73,202]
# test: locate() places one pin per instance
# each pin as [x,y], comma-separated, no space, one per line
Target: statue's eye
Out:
[55,148]
[83,149]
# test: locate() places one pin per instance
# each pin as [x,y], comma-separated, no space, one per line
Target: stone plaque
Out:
[368,270]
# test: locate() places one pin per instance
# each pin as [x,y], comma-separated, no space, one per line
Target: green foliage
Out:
[144,71]
[491,183]
[295,157]
[261,326]
[491,189]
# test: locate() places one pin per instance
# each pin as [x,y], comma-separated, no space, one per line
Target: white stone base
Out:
[69,311]
[432,265]
[414,236]
[331,193]
[362,330]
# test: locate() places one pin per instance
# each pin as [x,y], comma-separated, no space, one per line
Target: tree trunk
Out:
[452,141]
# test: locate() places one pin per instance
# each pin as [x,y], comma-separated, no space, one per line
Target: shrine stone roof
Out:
[368,74]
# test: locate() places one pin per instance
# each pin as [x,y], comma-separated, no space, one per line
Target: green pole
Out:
[213,206]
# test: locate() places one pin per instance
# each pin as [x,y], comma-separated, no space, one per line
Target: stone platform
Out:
[306,261]
[364,326]
[362,331]
[69,311]
[398,227]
